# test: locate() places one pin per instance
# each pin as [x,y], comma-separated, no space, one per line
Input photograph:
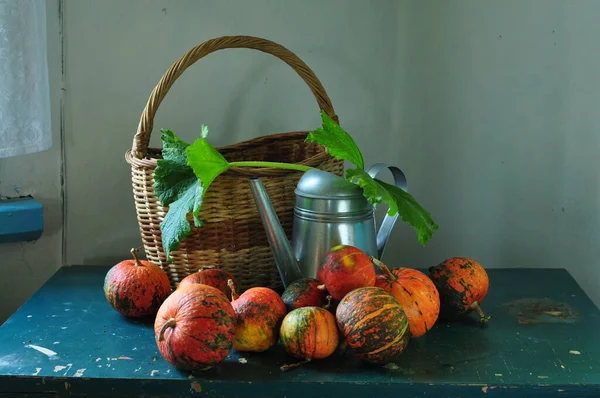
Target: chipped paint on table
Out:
[541,341]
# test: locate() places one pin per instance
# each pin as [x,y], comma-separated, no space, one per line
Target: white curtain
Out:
[24,90]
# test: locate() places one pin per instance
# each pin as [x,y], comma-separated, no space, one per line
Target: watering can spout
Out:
[285,260]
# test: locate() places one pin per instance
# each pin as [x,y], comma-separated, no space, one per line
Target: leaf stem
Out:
[277,165]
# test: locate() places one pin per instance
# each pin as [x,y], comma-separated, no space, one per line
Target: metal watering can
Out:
[328,211]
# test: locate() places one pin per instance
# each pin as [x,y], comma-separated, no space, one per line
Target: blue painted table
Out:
[541,341]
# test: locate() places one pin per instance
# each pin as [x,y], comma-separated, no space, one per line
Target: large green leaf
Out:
[177,187]
[172,175]
[398,200]
[175,226]
[338,142]
[206,161]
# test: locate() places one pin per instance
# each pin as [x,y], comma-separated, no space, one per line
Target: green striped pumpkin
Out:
[373,323]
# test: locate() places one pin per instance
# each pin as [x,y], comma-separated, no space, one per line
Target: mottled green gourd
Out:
[308,333]
[373,324]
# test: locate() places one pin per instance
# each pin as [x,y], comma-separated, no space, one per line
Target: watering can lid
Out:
[320,184]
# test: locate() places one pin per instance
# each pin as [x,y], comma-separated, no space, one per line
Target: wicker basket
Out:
[232,236]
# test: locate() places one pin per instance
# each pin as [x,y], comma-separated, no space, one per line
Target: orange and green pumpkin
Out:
[211,276]
[195,327]
[309,333]
[304,292]
[373,323]
[136,288]
[416,294]
[260,311]
[462,284]
[345,268]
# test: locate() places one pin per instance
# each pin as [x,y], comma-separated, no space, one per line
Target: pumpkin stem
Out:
[207,267]
[321,287]
[231,285]
[134,251]
[328,305]
[384,268]
[294,365]
[169,324]
[482,317]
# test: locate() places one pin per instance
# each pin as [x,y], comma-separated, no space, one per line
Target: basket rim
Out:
[153,154]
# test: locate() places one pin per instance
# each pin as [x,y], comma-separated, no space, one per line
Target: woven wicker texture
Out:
[232,236]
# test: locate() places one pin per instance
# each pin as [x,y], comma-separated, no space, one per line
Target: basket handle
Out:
[142,136]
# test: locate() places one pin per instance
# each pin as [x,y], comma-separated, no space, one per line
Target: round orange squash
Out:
[345,268]
[211,276]
[195,327]
[304,292]
[136,288]
[416,294]
[463,284]
[260,311]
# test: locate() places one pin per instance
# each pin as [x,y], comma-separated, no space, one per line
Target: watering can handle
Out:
[388,222]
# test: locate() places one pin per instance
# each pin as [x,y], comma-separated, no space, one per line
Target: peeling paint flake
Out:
[98,359]
[498,374]
[43,350]
[37,371]
[574,352]
[153,373]
[243,360]
[542,377]
[58,368]
[79,372]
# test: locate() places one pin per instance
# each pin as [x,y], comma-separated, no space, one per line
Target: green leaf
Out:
[374,193]
[177,187]
[398,200]
[338,142]
[412,212]
[175,226]
[206,161]
[172,175]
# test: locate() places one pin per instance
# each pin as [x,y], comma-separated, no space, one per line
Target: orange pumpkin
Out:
[195,327]
[373,324]
[415,293]
[136,288]
[345,268]
[304,292]
[463,284]
[211,276]
[308,333]
[260,311]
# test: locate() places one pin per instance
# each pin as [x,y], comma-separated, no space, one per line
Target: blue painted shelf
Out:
[541,342]
[21,219]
